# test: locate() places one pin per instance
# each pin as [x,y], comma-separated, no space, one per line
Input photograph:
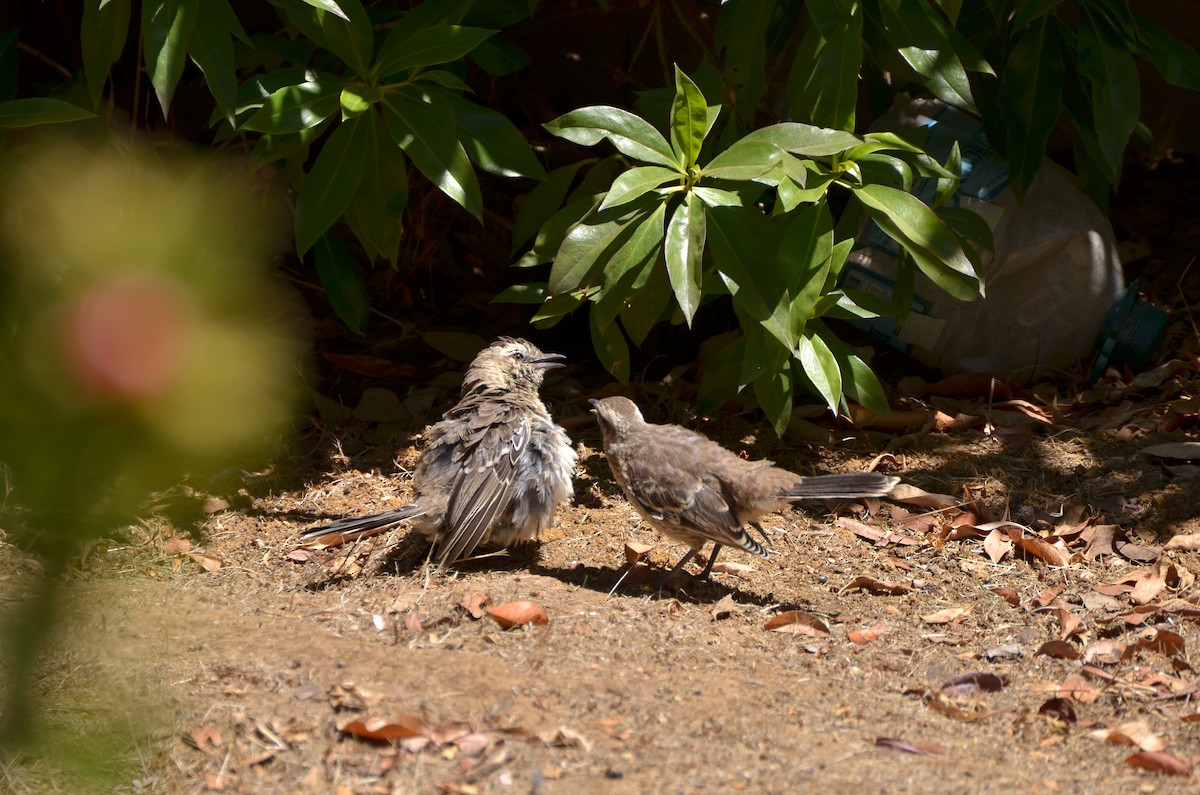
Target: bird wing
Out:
[487,457]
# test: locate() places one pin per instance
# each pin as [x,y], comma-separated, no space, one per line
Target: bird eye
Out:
[518,355]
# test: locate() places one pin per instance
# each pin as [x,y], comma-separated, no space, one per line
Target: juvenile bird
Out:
[694,491]
[497,466]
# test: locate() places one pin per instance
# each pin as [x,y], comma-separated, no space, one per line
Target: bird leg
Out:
[758,526]
[663,580]
[711,560]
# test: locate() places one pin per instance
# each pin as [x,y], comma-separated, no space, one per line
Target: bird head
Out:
[509,363]
[617,415]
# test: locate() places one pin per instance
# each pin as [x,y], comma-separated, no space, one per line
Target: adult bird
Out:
[694,491]
[496,468]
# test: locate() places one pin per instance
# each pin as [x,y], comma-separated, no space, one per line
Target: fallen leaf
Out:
[908,494]
[946,616]
[1040,549]
[1159,763]
[1006,651]
[910,748]
[973,682]
[997,545]
[299,555]
[381,730]
[1175,451]
[874,585]
[1077,688]
[635,551]
[519,613]
[473,603]
[1151,584]
[1139,733]
[1106,652]
[205,737]
[1058,648]
[732,567]
[867,635]
[206,561]
[724,607]
[1163,641]
[562,737]
[181,545]
[798,622]
[1189,542]
[1059,709]
[472,744]
[1008,595]
[412,622]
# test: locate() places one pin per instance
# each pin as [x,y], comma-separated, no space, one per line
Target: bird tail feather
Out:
[842,486]
[343,531]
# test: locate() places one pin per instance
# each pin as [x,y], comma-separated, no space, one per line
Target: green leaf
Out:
[804,257]
[102,35]
[1105,60]
[343,283]
[744,160]
[947,186]
[347,32]
[650,297]
[922,40]
[804,139]
[382,194]
[862,385]
[968,225]
[331,184]
[427,47]
[491,140]
[741,31]
[425,130]
[744,245]
[689,120]
[212,50]
[821,367]
[823,83]
[39,110]
[1031,10]
[555,308]
[327,5]
[544,201]
[630,134]
[636,182]
[715,197]
[356,98]
[521,294]
[611,348]
[1029,101]
[774,393]
[643,247]
[440,77]
[167,27]
[720,380]
[684,250]
[298,107]
[933,247]
[552,233]
[1178,63]
[591,243]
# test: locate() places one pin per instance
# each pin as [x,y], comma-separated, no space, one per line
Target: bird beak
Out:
[595,404]
[548,361]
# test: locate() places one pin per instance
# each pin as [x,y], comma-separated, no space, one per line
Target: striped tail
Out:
[343,531]
[843,486]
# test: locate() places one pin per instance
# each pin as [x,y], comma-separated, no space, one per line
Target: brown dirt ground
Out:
[238,679]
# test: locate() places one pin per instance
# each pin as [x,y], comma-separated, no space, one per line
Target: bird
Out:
[496,469]
[694,491]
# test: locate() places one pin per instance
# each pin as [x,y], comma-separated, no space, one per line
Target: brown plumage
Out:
[497,466]
[694,491]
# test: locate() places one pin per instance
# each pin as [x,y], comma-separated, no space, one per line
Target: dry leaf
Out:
[1040,549]
[1189,542]
[1106,652]
[867,635]
[1151,584]
[635,551]
[997,545]
[1058,648]
[877,586]
[1139,733]
[299,555]
[1175,451]
[1058,709]
[562,737]
[181,545]
[206,561]
[910,495]
[412,622]
[947,616]
[1077,688]
[517,614]
[733,567]
[1159,763]
[798,622]
[473,603]
[910,748]
[1008,595]
[724,607]
[381,730]
[472,744]
[205,737]
[973,682]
